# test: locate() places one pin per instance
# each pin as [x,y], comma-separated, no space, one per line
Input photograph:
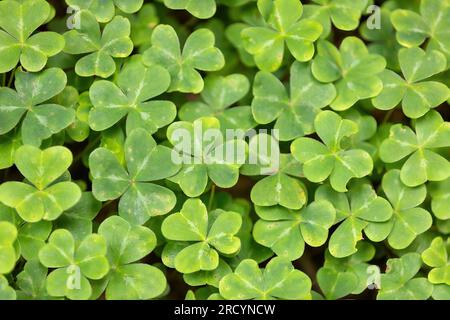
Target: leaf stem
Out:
[107,203]
[11,77]
[211,196]
[388,115]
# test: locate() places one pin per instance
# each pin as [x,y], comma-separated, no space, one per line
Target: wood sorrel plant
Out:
[252,149]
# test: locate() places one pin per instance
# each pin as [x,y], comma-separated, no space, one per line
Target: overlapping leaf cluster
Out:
[93,204]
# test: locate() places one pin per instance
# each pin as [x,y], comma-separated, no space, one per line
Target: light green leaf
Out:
[192,224]
[60,250]
[41,168]
[279,280]
[200,9]
[417,96]
[295,112]
[140,200]
[353,70]
[19,19]
[205,153]
[424,164]
[126,243]
[218,95]
[330,159]
[336,284]
[199,53]
[398,283]
[279,189]
[101,48]
[284,26]
[40,120]
[8,234]
[359,208]
[436,256]
[136,85]
[286,235]
[6,292]
[344,14]
[413,28]
[32,281]
[136,281]
[440,198]
[78,219]
[32,237]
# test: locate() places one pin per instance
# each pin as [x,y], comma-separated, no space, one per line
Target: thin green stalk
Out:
[108,203]
[388,115]
[211,196]
[11,77]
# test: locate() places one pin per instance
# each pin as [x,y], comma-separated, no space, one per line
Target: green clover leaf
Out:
[423,164]
[233,35]
[408,221]
[84,261]
[441,292]
[219,94]
[199,53]
[295,111]
[32,282]
[344,14]
[413,28]
[382,40]
[139,199]
[104,10]
[99,47]
[340,277]
[31,238]
[352,68]
[136,85]
[70,98]
[330,158]
[204,155]
[281,187]
[9,143]
[41,119]
[211,278]
[336,284]
[204,293]
[224,150]
[440,198]
[18,21]
[43,198]
[142,25]
[200,9]
[436,256]
[358,209]
[127,244]
[206,235]
[278,279]
[283,26]
[6,292]
[8,235]
[398,283]
[367,128]
[286,231]
[78,219]
[417,96]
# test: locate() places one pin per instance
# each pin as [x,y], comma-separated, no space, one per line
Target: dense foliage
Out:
[100,200]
